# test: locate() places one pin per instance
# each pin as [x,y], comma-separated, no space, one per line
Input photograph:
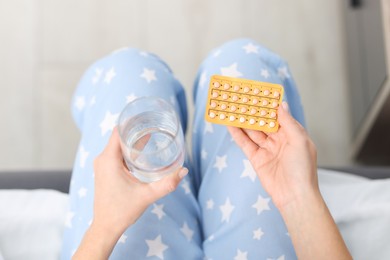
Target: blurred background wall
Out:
[46,45]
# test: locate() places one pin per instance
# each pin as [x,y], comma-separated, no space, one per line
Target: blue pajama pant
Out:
[219,210]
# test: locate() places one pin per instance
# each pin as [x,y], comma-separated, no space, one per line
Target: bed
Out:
[36,202]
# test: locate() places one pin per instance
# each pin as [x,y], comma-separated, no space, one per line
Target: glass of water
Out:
[152,139]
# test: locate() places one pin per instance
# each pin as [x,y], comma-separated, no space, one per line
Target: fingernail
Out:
[285,106]
[183,172]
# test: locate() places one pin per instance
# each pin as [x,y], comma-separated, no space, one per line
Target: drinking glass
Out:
[152,138]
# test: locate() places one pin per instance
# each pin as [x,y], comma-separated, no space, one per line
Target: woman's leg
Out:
[239,218]
[169,229]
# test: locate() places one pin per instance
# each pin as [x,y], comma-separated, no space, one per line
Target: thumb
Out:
[167,184]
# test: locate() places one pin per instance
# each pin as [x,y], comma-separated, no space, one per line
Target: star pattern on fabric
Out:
[279,258]
[144,53]
[241,255]
[92,101]
[203,154]
[231,71]
[79,103]
[131,98]
[82,192]
[261,204]
[220,163]
[202,80]
[248,171]
[257,234]
[158,210]
[251,48]
[264,73]
[156,247]
[96,77]
[122,239]
[68,219]
[210,204]
[109,75]
[83,156]
[226,210]
[148,75]
[217,53]
[283,73]
[208,128]
[186,186]
[108,122]
[188,233]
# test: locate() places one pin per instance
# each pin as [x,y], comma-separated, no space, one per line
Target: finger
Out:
[113,147]
[258,137]
[288,124]
[167,184]
[243,140]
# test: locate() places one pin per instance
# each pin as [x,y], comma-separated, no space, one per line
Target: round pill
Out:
[222,116]
[276,94]
[266,92]
[245,99]
[274,104]
[252,121]
[262,123]
[263,112]
[264,102]
[246,89]
[272,124]
[236,88]
[233,108]
[243,109]
[234,97]
[212,114]
[216,85]
[215,94]
[255,101]
[232,118]
[223,106]
[253,111]
[225,96]
[213,104]
[273,114]
[226,86]
[242,119]
[256,91]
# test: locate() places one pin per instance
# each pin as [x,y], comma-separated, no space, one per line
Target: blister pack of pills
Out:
[244,103]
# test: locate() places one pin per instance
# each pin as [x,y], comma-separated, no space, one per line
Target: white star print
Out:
[261,204]
[264,73]
[186,186]
[226,210]
[96,77]
[148,75]
[241,255]
[210,238]
[279,258]
[203,79]
[188,233]
[158,210]
[248,171]
[208,127]
[92,101]
[257,234]
[82,192]
[83,156]
[156,247]
[220,163]
[210,204]
[109,75]
[69,218]
[250,48]
[203,154]
[217,53]
[122,239]
[79,103]
[143,53]
[108,122]
[130,98]
[283,73]
[231,71]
